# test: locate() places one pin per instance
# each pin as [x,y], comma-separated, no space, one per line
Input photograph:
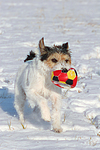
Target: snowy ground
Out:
[22,24]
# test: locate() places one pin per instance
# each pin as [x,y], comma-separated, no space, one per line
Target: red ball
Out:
[64,78]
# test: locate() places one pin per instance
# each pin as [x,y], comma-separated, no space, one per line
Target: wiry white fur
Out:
[33,82]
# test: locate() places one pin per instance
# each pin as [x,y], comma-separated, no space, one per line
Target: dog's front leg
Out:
[33,96]
[56,112]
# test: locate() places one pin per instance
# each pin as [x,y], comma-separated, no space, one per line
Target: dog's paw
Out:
[46,118]
[45,113]
[57,130]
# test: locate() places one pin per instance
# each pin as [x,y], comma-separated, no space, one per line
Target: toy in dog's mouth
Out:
[64,78]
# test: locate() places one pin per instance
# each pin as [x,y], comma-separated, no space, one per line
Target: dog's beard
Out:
[61,66]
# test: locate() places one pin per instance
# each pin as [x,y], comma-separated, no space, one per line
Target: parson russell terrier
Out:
[33,82]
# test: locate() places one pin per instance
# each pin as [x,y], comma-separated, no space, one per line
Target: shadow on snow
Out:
[6,102]
[31,115]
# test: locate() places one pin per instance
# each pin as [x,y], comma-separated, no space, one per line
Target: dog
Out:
[33,82]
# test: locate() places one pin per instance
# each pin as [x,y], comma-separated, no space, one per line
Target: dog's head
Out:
[56,57]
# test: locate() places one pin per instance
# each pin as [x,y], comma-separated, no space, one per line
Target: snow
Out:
[22,24]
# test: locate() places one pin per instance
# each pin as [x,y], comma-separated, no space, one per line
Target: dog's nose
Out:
[64,70]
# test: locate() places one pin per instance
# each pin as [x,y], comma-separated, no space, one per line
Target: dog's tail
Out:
[30,56]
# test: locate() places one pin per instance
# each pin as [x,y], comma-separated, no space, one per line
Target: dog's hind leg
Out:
[19,102]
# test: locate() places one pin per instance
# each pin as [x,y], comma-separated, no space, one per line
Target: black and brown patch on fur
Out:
[46,51]
[57,53]
[30,56]
[56,58]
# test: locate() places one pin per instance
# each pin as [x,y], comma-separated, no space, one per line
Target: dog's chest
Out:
[43,85]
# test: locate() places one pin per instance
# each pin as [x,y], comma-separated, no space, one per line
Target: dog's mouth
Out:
[64,70]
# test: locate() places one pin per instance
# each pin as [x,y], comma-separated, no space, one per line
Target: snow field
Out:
[22,24]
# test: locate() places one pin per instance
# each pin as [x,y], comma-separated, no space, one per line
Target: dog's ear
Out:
[65,46]
[42,46]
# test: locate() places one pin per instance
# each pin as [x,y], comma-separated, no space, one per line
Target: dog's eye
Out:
[54,60]
[66,60]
